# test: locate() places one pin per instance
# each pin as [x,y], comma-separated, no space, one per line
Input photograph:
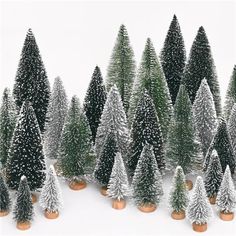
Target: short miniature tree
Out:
[5,201]
[50,198]
[226,197]
[213,177]
[199,209]
[232,128]
[23,210]
[179,194]
[147,181]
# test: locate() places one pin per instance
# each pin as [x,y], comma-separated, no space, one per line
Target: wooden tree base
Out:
[147,208]
[23,225]
[199,227]
[51,215]
[4,213]
[178,215]
[189,184]
[77,185]
[118,204]
[33,198]
[104,191]
[212,200]
[226,216]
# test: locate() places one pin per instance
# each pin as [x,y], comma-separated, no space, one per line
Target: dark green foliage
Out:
[94,101]
[5,201]
[173,56]
[31,82]
[26,152]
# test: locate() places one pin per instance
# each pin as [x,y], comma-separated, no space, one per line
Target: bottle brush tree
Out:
[232,128]
[5,201]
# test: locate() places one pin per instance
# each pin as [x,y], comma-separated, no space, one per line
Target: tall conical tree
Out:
[56,114]
[94,101]
[113,119]
[201,66]
[7,124]
[31,82]
[26,155]
[173,56]
[5,201]
[151,77]
[232,128]
[121,69]
[183,149]
[204,114]
[230,98]
[145,128]
[222,144]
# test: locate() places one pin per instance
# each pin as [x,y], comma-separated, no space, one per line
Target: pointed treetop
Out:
[30,32]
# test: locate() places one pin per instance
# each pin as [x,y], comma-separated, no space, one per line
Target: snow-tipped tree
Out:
[230,98]
[179,198]
[23,209]
[199,209]
[183,149]
[106,160]
[147,181]
[121,69]
[26,155]
[222,144]
[56,115]
[150,77]
[200,65]
[204,114]
[232,128]
[7,125]
[5,201]
[113,119]
[94,101]
[213,176]
[31,82]
[118,186]
[226,197]
[145,128]
[75,142]
[50,198]
[173,56]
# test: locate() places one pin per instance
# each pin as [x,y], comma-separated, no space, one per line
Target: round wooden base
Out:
[147,208]
[178,215]
[33,198]
[212,200]
[51,215]
[77,185]
[4,213]
[104,191]
[118,204]
[23,225]
[226,216]
[199,227]
[189,184]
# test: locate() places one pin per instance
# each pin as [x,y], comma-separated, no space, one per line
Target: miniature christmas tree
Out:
[75,146]
[145,128]
[226,197]
[113,119]
[50,198]
[151,78]
[199,210]
[213,177]
[31,82]
[7,125]
[204,115]
[121,69]
[222,144]
[105,162]
[147,181]
[57,111]
[201,66]
[26,155]
[232,128]
[178,195]
[173,56]
[23,210]
[5,201]
[94,101]
[230,98]
[118,186]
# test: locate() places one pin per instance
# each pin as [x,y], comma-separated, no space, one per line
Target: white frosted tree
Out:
[113,119]
[204,115]
[226,197]
[50,198]
[232,128]
[118,186]
[56,115]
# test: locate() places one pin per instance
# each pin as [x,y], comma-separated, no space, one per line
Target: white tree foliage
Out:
[113,119]
[199,210]
[118,186]
[232,128]
[50,198]
[226,197]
